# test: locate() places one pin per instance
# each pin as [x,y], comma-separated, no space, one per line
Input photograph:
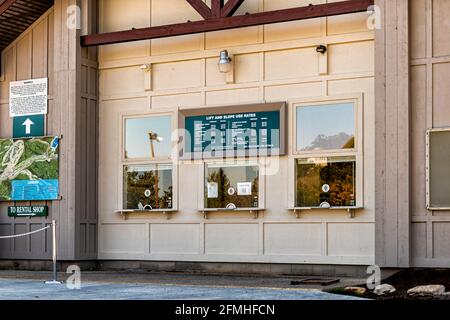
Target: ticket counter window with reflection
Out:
[324,182]
[326,127]
[148,187]
[438,173]
[231,187]
[138,134]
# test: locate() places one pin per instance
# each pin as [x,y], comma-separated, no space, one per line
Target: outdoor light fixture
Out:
[146,67]
[224,62]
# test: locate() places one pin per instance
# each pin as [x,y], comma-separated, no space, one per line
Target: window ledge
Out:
[125,212]
[438,208]
[351,210]
[255,211]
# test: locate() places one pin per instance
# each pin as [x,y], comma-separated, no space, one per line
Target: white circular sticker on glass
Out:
[231,191]
[147,193]
[325,188]
[231,206]
[325,205]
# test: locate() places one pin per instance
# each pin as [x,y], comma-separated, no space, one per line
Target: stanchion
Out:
[55,272]
[53,226]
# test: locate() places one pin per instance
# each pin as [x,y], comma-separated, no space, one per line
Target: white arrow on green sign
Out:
[28,123]
[28,126]
[28,211]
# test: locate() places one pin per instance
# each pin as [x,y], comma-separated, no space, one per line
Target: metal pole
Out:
[55,273]
[156,174]
[54,248]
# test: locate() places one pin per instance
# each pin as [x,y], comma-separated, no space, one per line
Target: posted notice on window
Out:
[29,97]
[244,188]
[213,190]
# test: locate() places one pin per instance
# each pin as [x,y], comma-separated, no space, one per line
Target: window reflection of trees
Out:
[220,176]
[160,186]
[338,175]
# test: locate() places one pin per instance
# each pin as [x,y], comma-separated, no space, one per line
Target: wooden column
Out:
[71,118]
[392,143]
[63,122]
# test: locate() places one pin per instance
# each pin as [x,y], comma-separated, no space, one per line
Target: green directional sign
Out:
[28,211]
[28,126]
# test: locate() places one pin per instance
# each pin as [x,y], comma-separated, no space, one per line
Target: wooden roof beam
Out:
[224,23]
[216,8]
[201,8]
[231,7]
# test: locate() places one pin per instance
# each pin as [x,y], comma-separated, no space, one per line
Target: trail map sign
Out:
[29,169]
[237,131]
[28,97]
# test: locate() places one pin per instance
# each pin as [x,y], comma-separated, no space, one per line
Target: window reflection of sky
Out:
[328,121]
[137,143]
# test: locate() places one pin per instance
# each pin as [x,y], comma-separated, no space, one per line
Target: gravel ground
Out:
[408,279]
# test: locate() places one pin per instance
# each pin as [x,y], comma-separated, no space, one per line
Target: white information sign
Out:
[213,190]
[244,188]
[29,97]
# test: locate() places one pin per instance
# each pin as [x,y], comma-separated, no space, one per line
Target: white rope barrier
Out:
[54,248]
[25,234]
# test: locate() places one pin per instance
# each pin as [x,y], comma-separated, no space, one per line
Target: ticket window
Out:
[231,186]
[438,169]
[148,171]
[148,138]
[321,181]
[148,187]
[327,166]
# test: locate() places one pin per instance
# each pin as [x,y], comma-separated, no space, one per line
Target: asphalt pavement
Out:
[20,285]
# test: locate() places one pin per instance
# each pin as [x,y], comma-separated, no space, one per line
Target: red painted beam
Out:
[215,24]
[201,8]
[231,7]
[216,8]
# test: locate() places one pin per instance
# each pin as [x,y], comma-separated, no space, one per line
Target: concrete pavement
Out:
[20,285]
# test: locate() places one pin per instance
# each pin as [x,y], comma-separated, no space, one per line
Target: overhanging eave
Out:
[16,16]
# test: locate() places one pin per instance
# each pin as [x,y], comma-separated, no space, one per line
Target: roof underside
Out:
[17,15]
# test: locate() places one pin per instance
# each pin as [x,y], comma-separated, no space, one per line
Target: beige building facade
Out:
[387,68]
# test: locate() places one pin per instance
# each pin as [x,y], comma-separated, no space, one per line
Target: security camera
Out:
[321,49]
